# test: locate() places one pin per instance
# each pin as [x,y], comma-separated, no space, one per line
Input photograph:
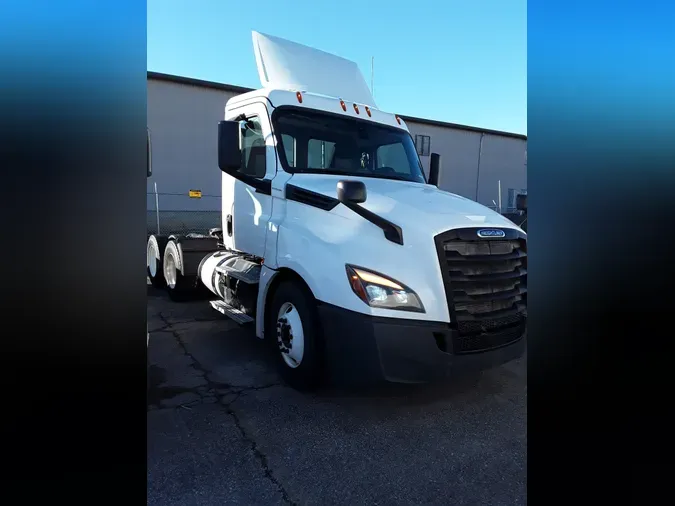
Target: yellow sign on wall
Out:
[195,194]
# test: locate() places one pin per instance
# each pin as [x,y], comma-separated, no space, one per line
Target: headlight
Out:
[379,291]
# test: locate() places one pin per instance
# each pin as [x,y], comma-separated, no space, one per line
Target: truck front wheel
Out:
[294,332]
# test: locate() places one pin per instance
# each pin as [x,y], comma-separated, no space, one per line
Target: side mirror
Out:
[521,202]
[229,154]
[353,192]
[148,162]
[434,169]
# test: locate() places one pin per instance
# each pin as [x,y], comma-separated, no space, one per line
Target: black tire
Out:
[308,375]
[183,287]
[155,249]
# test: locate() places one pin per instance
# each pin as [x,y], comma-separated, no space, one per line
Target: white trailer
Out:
[347,260]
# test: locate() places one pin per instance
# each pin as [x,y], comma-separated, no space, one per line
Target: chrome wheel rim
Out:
[152,259]
[170,270]
[290,335]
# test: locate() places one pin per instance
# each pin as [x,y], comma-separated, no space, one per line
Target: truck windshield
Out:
[329,144]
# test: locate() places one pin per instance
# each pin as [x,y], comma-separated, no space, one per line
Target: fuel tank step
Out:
[231,312]
[241,269]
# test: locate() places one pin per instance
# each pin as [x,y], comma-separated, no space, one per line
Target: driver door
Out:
[247,200]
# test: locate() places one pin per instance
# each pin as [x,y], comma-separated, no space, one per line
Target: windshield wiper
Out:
[335,172]
[393,176]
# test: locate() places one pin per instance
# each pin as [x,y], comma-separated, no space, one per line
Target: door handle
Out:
[229,225]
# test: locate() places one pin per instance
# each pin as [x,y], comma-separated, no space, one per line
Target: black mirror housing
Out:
[229,154]
[434,169]
[353,192]
[521,202]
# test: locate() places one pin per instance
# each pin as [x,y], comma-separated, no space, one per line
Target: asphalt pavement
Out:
[223,428]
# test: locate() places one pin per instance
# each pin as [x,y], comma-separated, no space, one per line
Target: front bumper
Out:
[365,349]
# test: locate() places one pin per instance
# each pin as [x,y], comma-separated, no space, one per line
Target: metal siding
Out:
[183,122]
[459,157]
[502,159]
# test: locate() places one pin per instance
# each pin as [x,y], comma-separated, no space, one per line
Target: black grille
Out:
[467,327]
[486,287]
[488,341]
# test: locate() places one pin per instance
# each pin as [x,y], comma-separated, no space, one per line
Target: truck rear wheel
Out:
[178,286]
[293,331]
[155,260]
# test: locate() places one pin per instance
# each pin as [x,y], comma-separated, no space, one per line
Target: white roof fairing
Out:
[286,65]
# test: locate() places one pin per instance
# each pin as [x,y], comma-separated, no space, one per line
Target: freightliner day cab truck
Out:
[334,244]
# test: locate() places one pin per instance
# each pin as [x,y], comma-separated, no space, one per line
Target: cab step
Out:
[235,314]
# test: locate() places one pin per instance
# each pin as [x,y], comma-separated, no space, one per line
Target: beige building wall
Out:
[473,163]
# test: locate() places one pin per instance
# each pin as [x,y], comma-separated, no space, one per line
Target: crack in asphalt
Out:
[192,320]
[262,458]
[214,387]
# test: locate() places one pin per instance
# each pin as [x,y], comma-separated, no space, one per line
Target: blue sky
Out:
[450,60]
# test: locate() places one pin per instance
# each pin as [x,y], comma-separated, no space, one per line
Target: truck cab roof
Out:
[318,102]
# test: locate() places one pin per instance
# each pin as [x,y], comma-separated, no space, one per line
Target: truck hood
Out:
[409,204]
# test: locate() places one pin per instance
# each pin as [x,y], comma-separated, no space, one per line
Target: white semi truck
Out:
[348,260]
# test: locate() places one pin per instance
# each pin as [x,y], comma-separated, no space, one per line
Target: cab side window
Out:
[253,150]
[289,148]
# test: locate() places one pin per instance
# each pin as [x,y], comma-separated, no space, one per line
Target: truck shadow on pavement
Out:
[197,355]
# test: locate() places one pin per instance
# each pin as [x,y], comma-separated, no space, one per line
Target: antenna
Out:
[372,75]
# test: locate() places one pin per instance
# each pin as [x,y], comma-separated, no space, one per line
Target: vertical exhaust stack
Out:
[434,169]
[521,202]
